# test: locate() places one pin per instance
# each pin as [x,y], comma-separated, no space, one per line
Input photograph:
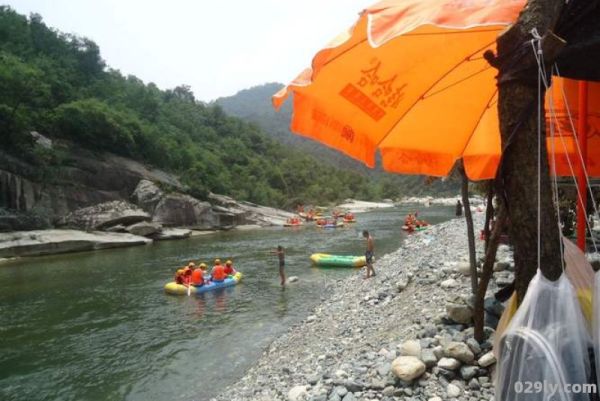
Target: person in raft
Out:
[369,254]
[197,277]
[218,272]
[229,270]
[281,256]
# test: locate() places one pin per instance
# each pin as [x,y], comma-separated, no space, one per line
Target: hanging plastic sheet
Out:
[543,354]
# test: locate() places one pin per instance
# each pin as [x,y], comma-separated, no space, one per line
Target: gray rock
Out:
[341,391]
[460,351]
[147,195]
[354,386]
[468,372]
[474,384]
[178,210]
[104,215]
[474,345]
[401,284]
[459,312]
[48,242]
[144,228]
[448,363]
[428,358]
[349,397]
[453,391]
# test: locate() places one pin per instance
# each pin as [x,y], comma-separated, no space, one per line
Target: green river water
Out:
[97,326]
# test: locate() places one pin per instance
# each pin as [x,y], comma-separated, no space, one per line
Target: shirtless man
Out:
[369,254]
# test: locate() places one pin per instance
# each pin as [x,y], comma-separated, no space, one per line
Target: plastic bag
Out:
[581,275]
[544,350]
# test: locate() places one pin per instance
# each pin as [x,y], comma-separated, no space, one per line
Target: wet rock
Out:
[172,234]
[428,358]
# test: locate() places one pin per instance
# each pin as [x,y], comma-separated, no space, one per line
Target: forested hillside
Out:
[254,105]
[57,84]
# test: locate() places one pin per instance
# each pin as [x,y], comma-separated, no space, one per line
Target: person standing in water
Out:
[281,256]
[459,208]
[369,254]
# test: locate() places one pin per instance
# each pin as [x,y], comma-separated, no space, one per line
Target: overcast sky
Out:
[217,47]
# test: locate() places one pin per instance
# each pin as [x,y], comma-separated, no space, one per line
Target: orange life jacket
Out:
[197,277]
[218,273]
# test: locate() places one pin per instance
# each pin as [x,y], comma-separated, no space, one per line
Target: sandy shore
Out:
[349,348]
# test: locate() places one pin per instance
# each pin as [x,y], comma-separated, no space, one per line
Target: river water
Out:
[97,326]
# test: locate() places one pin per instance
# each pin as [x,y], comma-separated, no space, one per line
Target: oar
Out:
[189,289]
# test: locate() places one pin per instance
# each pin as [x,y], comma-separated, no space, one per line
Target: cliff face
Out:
[31,199]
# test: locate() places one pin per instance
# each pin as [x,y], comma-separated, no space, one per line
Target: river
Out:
[97,326]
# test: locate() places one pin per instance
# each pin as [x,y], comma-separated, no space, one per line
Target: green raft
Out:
[326,260]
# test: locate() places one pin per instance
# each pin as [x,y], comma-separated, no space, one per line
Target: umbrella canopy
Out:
[409,79]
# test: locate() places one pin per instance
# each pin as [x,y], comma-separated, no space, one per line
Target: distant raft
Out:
[326,260]
[173,288]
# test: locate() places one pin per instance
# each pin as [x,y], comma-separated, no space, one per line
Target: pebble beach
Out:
[402,335]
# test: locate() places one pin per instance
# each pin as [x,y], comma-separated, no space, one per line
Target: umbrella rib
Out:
[428,89]
[457,82]
[487,107]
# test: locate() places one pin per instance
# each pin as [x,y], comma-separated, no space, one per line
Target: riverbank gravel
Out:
[389,337]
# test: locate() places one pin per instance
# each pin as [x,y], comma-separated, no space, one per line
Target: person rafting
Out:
[369,254]
[229,270]
[197,277]
[218,272]
[179,276]
[281,256]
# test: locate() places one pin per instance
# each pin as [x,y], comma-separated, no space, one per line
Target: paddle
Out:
[189,289]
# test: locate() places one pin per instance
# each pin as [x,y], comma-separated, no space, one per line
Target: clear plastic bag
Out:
[544,350]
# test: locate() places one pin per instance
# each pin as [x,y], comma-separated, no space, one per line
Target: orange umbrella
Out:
[409,79]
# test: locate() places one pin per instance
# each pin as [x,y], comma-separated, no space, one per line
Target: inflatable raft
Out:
[179,289]
[331,225]
[326,260]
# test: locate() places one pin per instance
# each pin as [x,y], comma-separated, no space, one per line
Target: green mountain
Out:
[254,105]
[58,85]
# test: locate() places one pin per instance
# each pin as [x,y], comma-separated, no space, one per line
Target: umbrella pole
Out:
[581,178]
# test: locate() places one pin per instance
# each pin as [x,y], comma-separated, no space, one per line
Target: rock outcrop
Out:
[47,242]
[105,215]
[179,210]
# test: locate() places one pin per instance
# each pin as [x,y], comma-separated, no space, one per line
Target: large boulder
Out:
[179,210]
[144,228]
[105,215]
[147,195]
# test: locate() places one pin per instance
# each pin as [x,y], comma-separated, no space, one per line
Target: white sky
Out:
[217,47]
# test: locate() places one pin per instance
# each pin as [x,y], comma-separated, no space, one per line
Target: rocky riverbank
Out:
[403,335]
